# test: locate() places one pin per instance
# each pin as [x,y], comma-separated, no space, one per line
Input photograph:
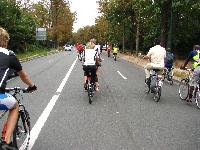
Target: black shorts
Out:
[92,69]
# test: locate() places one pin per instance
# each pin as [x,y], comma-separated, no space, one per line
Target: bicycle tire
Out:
[115,58]
[147,89]
[169,77]
[197,99]
[157,94]
[89,89]
[183,89]
[21,134]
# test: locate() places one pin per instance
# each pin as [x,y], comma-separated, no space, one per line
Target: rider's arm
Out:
[190,56]
[25,78]
[15,64]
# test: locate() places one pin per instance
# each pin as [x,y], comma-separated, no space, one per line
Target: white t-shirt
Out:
[97,48]
[157,55]
[90,57]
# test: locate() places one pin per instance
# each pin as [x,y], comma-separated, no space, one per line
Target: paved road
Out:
[122,117]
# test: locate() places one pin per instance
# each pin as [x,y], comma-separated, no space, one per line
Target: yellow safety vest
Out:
[115,50]
[196,60]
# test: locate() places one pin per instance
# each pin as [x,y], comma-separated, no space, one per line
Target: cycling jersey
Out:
[7,61]
[90,56]
[115,50]
[80,47]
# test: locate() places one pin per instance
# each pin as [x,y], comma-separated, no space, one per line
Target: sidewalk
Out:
[142,62]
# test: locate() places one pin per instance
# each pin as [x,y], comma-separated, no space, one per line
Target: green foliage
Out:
[152,19]
[20,26]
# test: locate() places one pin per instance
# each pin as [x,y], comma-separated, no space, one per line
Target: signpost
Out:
[41,34]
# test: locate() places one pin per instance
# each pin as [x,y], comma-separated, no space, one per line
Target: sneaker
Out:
[5,146]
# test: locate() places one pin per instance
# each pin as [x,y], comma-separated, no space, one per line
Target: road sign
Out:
[41,34]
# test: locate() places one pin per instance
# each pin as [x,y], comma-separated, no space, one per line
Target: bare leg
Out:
[11,122]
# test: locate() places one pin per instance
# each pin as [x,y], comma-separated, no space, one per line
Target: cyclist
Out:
[169,59]
[195,57]
[156,55]
[80,49]
[8,60]
[115,50]
[109,48]
[90,60]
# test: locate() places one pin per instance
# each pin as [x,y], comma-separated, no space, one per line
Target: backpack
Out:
[169,57]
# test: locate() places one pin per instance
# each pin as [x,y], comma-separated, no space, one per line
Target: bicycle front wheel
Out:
[157,94]
[21,134]
[183,89]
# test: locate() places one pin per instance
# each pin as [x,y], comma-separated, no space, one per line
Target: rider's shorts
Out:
[7,101]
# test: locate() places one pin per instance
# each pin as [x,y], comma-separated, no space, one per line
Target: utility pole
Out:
[123,41]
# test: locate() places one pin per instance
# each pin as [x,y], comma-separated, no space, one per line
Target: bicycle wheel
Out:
[21,134]
[157,94]
[169,77]
[197,99]
[146,87]
[90,93]
[115,58]
[183,89]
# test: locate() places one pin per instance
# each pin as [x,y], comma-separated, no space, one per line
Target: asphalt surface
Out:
[122,116]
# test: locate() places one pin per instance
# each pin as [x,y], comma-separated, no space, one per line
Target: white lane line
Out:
[45,114]
[121,75]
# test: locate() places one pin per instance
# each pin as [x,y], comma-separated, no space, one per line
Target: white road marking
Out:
[45,114]
[121,75]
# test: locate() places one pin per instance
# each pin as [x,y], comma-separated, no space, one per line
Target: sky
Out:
[87,11]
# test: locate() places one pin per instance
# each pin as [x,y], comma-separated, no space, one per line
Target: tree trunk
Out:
[165,7]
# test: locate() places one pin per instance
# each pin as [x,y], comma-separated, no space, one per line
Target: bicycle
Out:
[155,85]
[22,128]
[185,90]
[90,86]
[115,56]
[168,75]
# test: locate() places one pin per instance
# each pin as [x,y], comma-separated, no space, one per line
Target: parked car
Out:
[68,47]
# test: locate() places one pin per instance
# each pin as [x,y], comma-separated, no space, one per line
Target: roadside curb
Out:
[38,56]
[136,61]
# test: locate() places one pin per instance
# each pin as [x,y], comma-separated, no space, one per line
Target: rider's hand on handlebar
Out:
[31,88]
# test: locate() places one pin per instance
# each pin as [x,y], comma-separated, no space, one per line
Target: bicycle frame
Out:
[22,127]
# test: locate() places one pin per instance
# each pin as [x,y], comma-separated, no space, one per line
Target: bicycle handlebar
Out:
[16,89]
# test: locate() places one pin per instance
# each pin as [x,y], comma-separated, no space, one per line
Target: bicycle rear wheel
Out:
[90,91]
[157,94]
[183,89]
[146,87]
[197,99]
[21,134]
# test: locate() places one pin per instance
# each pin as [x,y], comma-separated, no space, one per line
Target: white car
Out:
[68,48]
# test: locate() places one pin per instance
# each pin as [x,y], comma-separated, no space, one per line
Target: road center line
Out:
[121,75]
[45,114]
